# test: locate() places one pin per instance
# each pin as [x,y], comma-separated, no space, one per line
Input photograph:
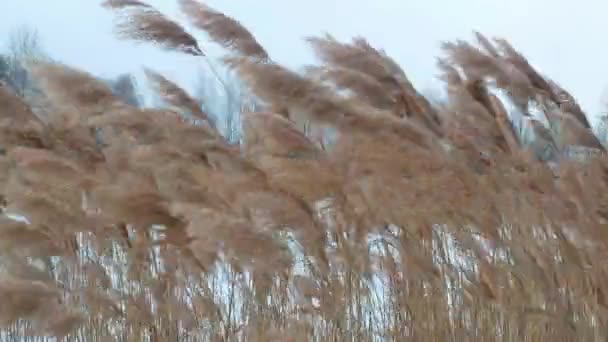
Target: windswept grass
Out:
[351,209]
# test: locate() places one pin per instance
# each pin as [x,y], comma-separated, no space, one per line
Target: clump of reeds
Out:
[405,221]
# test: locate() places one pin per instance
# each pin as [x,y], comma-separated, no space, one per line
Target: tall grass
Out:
[351,209]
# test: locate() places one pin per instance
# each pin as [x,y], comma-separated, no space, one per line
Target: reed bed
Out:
[351,208]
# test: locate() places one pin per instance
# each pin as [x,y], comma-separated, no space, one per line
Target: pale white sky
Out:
[564,39]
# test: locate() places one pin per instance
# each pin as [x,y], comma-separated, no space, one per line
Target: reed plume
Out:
[174,95]
[222,29]
[141,22]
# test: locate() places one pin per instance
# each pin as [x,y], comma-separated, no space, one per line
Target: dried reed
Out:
[409,221]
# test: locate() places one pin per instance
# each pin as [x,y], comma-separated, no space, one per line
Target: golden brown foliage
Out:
[395,220]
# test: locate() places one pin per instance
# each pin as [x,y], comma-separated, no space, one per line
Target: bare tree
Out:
[223,95]
[125,87]
[601,128]
[23,46]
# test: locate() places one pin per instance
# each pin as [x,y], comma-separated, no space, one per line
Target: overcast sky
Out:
[564,39]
